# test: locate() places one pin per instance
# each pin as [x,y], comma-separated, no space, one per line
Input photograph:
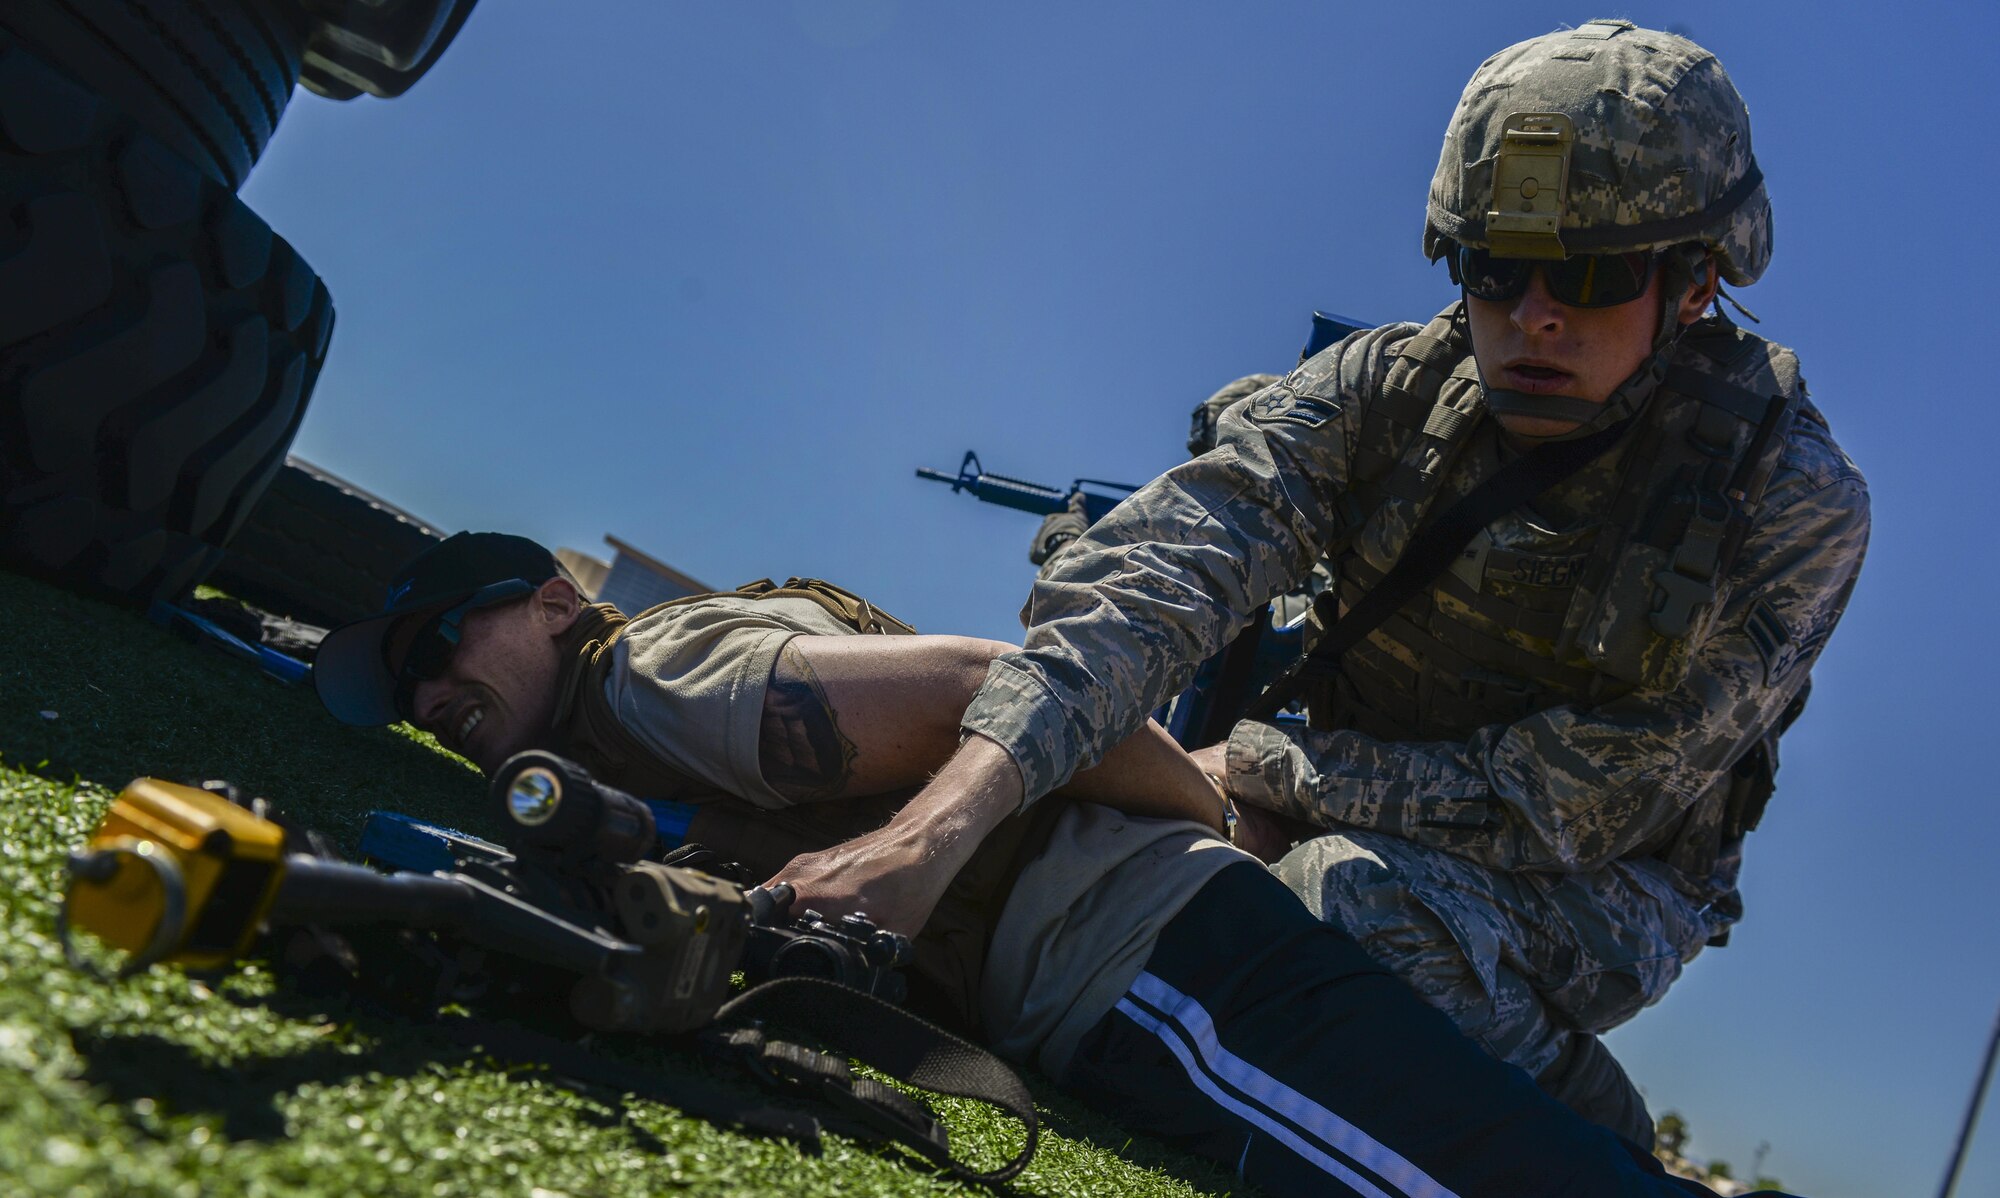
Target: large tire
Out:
[319,549]
[210,78]
[157,345]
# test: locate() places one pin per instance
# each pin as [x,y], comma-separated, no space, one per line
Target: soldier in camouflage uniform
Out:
[1537,773]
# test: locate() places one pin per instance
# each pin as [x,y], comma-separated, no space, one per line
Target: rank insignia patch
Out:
[1776,644]
[1280,404]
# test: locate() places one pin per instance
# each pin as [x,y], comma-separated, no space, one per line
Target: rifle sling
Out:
[880,1035]
[1234,677]
[902,1045]
[573,1062]
[1429,553]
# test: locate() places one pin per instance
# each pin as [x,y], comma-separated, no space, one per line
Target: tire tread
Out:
[158,346]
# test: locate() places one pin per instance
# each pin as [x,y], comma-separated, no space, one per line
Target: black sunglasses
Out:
[1579,281]
[429,654]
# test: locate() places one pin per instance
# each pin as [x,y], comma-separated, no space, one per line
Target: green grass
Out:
[227,1084]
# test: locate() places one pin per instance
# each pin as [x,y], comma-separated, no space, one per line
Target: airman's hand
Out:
[887,874]
[897,874]
[1263,834]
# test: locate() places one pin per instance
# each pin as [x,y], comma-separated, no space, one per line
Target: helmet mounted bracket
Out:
[1530,185]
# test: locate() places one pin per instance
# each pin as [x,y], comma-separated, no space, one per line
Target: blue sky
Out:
[716,277]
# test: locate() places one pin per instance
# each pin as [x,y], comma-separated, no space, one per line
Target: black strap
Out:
[882,1036]
[1430,552]
[903,1046]
[865,1109]
[1235,675]
[572,1062]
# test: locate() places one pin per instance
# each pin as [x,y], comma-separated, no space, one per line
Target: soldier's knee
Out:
[1364,884]
[1351,879]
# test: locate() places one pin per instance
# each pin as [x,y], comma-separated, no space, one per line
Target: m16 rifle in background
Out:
[1034,498]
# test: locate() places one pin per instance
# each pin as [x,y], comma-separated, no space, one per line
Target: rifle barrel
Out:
[336,894]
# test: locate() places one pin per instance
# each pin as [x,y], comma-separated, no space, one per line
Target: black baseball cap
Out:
[350,671]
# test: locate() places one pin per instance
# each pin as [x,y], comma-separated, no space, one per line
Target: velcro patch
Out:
[1281,404]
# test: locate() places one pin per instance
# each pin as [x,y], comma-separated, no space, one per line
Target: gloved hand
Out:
[1058,529]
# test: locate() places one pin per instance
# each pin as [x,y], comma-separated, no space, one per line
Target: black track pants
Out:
[1262,1038]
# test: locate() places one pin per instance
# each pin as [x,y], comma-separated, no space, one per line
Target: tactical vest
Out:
[951,948]
[1599,590]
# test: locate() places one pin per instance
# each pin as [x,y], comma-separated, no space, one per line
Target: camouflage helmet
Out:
[1655,138]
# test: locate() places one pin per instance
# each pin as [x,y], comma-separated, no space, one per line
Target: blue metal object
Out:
[393,841]
[670,821]
[1327,328]
[286,669]
[1191,718]
[1024,496]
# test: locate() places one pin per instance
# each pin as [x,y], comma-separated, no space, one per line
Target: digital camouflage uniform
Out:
[1059,529]
[1540,770]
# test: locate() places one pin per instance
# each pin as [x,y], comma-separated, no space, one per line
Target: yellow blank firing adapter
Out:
[173,874]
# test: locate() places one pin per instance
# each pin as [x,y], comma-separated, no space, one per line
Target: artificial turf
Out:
[230,1083]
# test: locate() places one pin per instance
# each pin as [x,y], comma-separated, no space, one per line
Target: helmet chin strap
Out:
[1504,402]
[1625,400]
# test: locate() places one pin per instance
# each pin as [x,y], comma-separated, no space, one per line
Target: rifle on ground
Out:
[1033,498]
[579,901]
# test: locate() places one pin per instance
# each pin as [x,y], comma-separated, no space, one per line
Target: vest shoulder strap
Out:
[1401,407]
[1427,404]
[1751,382]
[844,605]
[1726,403]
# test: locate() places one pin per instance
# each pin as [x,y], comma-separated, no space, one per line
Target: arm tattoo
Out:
[800,748]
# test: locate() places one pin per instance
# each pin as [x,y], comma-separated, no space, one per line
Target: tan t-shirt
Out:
[1082,918]
[689,682]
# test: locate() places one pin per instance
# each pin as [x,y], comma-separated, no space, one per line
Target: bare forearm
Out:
[977,789]
[1148,774]
[897,701]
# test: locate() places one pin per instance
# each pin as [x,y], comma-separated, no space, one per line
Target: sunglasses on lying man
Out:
[1579,281]
[436,639]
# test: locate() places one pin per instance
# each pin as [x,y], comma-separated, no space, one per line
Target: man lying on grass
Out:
[1115,940]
